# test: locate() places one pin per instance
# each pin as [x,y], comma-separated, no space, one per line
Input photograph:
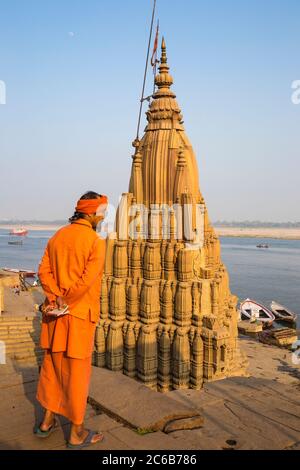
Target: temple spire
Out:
[163,80]
[167,317]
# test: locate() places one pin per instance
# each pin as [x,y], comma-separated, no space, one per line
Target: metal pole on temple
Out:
[146,69]
[154,60]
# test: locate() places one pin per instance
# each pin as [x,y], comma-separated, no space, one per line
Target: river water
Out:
[261,274]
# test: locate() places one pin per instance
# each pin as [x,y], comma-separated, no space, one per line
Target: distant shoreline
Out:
[33,228]
[243,232]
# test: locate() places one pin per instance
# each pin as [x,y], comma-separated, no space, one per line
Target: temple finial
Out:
[163,80]
[163,59]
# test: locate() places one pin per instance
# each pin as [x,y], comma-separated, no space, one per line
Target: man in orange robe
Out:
[70,273]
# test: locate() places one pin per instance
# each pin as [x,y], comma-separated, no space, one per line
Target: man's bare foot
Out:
[79,436]
[48,421]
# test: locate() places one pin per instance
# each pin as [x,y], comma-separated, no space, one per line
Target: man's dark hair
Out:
[87,195]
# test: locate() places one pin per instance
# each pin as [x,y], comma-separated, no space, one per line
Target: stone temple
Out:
[168,318]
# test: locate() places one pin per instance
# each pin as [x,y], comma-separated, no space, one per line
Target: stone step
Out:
[23,357]
[24,348]
[15,340]
[149,411]
[18,318]
[26,342]
[27,362]
[21,354]
[7,318]
[18,326]
[12,338]
[18,331]
[19,334]
[27,358]
[21,349]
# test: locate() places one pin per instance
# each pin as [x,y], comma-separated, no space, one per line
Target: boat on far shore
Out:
[262,245]
[15,242]
[17,236]
[282,313]
[20,232]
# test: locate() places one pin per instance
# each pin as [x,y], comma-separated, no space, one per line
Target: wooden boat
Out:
[25,272]
[262,245]
[252,311]
[283,337]
[282,313]
[15,242]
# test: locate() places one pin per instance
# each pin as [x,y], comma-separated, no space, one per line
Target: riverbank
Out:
[243,232]
[34,228]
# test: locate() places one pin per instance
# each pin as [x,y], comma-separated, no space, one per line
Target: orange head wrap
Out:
[90,206]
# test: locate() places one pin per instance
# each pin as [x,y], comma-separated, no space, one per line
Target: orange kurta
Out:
[72,267]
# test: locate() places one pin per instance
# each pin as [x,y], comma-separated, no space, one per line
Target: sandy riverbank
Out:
[281,233]
[34,228]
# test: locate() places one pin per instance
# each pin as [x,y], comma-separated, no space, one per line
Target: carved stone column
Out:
[121,259]
[114,352]
[129,350]
[181,359]
[117,300]
[99,354]
[150,304]
[164,360]
[196,379]
[147,356]
[183,304]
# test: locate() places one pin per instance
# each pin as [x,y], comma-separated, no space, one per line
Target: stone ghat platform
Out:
[259,412]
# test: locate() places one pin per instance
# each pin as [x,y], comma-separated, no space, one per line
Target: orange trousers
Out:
[66,370]
[64,384]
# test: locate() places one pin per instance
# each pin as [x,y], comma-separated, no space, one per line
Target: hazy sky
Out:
[73,73]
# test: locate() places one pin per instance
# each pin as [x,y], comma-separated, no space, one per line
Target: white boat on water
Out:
[252,311]
[282,313]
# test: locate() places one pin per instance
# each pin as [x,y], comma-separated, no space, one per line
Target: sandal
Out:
[88,440]
[40,433]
